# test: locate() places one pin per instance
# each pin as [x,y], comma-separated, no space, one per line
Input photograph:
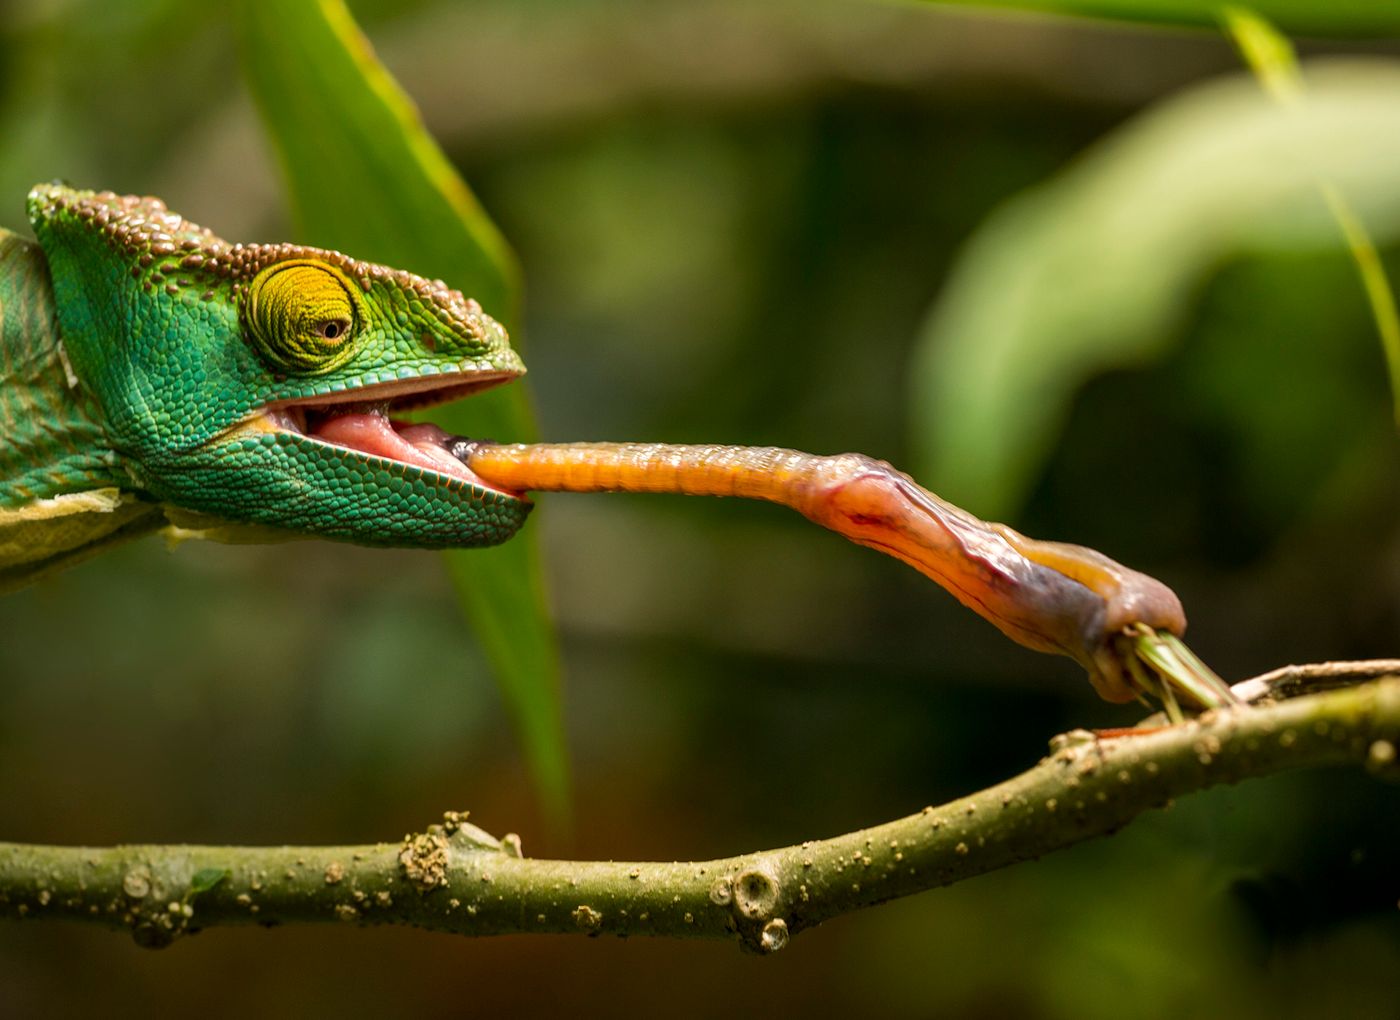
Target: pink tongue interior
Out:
[423,446]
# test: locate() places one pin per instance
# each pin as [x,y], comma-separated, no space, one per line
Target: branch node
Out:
[588,919]
[424,860]
[774,936]
[755,894]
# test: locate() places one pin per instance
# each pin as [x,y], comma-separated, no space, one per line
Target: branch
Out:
[454,877]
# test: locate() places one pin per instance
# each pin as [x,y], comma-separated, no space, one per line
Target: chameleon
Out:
[157,378]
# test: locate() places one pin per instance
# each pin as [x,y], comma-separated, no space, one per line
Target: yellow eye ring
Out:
[302,316]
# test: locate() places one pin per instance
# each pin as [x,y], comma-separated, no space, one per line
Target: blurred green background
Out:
[1073,273]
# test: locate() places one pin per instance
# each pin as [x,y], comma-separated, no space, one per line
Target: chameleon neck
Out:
[50,440]
[63,493]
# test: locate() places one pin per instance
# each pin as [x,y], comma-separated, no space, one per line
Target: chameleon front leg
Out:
[1121,625]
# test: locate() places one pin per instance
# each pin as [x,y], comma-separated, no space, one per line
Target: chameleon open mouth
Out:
[360,420]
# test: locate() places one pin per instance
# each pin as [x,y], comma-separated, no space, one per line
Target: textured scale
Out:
[51,438]
[60,482]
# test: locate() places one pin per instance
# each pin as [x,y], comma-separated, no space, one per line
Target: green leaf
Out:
[1097,268]
[1272,59]
[205,879]
[365,177]
[1269,55]
[1312,17]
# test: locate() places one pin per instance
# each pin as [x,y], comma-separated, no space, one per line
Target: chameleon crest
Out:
[258,384]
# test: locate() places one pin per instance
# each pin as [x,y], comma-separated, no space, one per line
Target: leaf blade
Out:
[1274,62]
[365,177]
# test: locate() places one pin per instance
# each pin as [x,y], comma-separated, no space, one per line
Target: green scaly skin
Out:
[152,373]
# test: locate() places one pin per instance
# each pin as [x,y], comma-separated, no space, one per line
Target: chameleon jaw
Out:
[359,421]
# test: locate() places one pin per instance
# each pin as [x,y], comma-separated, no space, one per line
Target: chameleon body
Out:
[154,376]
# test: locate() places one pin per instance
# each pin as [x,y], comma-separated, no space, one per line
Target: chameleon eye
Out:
[301,315]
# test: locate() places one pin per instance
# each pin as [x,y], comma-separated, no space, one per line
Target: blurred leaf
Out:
[1096,269]
[365,177]
[1270,56]
[1316,17]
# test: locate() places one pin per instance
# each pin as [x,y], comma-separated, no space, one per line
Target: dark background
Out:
[733,220]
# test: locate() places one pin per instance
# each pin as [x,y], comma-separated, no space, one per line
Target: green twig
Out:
[455,878]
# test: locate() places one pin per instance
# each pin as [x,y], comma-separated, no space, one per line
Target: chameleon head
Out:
[257,383]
